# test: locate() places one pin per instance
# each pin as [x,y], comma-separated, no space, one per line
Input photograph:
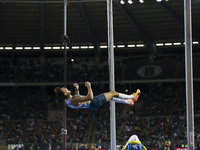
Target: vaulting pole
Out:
[65,73]
[189,74]
[111,73]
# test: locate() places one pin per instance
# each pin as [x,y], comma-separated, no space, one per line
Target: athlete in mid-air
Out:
[93,102]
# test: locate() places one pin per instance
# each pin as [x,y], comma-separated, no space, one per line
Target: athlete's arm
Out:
[76,86]
[76,100]
[90,92]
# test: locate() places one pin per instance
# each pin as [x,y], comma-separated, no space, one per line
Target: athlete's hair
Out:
[59,93]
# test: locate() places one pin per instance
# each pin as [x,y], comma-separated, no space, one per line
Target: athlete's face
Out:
[66,91]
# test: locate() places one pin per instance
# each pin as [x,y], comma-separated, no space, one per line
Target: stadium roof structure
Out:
[144,23]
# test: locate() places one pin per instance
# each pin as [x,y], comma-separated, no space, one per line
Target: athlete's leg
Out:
[123,101]
[133,96]
[110,95]
[125,96]
[119,97]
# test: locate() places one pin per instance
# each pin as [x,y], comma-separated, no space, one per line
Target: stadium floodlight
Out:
[36,47]
[120,46]
[159,44]
[27,47]
[84,47]
[140,45]
[195,42]
[177,43]
[75,47]
[159,0]
[47,47]
[18,47]
[90,46]
[168,44]
[8,48]
[56,47]
[141,1]
[122,2]
[131,45]
[103,46]
[130,1]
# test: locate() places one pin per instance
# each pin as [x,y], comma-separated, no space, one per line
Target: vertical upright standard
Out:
[189,74]
[65,73]
[111,73]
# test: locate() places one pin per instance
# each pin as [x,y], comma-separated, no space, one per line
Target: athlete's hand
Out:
[76,85]
[87,84]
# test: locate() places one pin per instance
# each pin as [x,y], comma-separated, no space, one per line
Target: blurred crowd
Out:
[32,70]
[24,119]
[41,131]
[22,103]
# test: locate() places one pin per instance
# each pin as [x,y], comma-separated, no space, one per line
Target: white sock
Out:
[125,96]
[123,101]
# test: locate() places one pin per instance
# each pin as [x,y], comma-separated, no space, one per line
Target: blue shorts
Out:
[97,102]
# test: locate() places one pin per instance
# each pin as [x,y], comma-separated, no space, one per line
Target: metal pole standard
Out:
[65,73]
[65,17]
[111,71]
[189,74]
[65,40]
